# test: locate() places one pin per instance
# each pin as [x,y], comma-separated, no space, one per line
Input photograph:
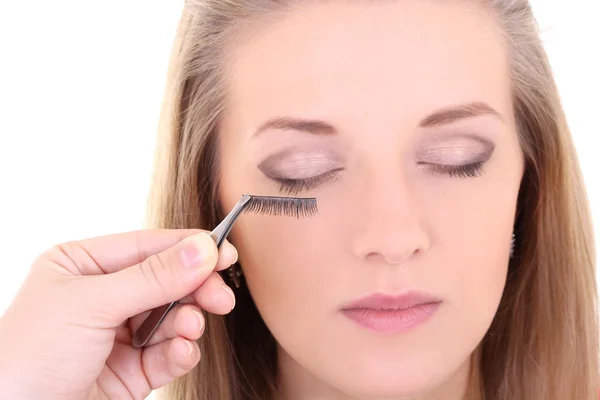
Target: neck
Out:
[296,383]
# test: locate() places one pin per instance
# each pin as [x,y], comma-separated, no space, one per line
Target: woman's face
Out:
[397,117]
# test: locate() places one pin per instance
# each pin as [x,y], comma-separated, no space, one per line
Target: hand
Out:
[67,334]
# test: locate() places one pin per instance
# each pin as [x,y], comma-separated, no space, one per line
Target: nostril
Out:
[373,256]
[392,259]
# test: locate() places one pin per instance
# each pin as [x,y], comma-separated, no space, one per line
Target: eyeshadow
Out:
[299,163]
[454,150]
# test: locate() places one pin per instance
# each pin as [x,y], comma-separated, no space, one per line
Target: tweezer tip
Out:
[136,342]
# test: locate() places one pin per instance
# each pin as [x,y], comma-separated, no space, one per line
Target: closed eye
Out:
[470,170]
[295,186]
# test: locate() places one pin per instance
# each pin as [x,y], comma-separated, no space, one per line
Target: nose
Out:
[389,228]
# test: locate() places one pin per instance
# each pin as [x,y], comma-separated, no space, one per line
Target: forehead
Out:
[382,57]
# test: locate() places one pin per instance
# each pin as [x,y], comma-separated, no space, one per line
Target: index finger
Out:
[114,252]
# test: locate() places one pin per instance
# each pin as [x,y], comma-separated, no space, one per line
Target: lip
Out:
[386,313]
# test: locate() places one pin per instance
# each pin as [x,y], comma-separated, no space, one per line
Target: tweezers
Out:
[157,316]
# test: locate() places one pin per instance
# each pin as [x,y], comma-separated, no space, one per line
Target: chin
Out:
[386,379]
[371,387]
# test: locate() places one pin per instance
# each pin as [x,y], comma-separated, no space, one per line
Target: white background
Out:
[80,90]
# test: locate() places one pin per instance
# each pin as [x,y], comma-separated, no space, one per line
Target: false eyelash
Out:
[290,206]
[471,170]
[295,186]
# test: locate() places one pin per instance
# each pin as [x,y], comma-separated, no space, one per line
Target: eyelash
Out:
[471,170]
[295,186]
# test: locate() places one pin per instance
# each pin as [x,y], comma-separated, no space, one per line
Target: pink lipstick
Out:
[392,313]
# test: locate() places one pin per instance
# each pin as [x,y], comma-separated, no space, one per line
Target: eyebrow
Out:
[456,113]
[440,117]
[315,127]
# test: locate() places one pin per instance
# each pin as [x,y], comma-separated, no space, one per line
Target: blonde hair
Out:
[543,342]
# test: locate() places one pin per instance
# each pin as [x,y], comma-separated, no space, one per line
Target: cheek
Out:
[472,236]
[283,261]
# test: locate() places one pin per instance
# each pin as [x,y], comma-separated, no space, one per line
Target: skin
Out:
[391,219]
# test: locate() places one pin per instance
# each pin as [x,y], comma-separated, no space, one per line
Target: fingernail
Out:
[200,320]
[195,249]
[230,293]
[236,255]
[191,348]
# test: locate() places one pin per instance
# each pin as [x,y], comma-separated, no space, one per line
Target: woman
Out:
[451,257]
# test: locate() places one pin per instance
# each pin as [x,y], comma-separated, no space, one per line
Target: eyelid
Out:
[294,164]
[456,151]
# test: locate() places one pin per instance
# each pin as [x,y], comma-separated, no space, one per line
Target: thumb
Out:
[159,279]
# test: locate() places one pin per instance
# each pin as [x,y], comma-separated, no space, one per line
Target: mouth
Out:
[392,313]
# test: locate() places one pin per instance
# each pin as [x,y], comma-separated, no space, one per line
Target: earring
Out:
[235,273]
[512,245]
